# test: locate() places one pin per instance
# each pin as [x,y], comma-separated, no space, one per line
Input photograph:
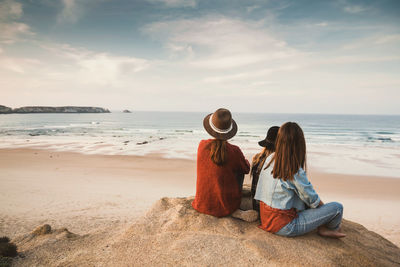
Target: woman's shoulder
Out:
[267,171]
[301,176]
[233,147]
[205,142]
[204,145]
[301,172]
[268,162]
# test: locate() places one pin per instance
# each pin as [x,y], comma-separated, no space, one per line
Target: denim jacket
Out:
[280,194]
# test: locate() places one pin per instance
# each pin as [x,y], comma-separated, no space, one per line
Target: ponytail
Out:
[218,151]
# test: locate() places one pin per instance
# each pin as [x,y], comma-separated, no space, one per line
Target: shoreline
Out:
[86,193]
[335,161]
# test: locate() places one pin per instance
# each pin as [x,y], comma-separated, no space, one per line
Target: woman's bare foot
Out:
[323,231]
[246,215]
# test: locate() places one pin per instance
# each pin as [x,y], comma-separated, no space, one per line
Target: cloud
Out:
[10,29]
[71,12]
[390,38]
[96,67]
[13,31]
[375,41]
[354,9]
[19,65]
[61,74]
[250,9]
[10,9]
[250,75]
[209,60]
[175,3]
[221,42]
[321,24]
[228,53]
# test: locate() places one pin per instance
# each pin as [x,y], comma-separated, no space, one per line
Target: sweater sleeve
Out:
[243,163]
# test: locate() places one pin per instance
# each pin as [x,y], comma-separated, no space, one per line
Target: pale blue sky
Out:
[192,55]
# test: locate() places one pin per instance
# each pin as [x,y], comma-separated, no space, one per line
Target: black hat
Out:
[269,141]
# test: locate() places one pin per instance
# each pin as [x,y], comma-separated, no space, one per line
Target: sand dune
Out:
[173,233]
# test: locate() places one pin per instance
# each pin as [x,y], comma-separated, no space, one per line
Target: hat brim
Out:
[225,136]
[263,143]
[266,143]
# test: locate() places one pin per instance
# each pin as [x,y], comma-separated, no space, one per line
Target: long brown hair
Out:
[260,158]
[218,151]
[290,152]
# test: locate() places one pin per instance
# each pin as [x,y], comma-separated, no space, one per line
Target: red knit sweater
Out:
[217,189]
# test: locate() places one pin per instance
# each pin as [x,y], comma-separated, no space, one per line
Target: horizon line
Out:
[202,111]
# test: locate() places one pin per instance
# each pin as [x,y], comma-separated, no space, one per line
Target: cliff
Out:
[44,109]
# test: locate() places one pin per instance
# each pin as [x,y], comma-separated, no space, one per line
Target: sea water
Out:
[351,144]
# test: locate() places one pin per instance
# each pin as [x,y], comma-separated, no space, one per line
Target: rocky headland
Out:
[46,109]
[5,110]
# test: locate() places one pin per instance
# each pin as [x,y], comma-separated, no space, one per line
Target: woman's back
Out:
[218,189]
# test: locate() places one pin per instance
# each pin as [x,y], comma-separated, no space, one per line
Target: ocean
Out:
[348,144]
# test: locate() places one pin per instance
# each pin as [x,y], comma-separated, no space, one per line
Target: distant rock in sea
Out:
[142,143]
[126,111]
[44,109]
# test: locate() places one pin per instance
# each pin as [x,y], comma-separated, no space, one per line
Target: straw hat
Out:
[220,124]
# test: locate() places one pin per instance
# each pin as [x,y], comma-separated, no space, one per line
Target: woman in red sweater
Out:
[220,170]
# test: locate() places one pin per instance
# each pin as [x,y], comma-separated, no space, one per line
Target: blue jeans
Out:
[329,214]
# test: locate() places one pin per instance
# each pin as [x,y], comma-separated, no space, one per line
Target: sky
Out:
[300,56]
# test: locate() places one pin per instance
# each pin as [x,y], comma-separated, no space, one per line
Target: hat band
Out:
[216,129]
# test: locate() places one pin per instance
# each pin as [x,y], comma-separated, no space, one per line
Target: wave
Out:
[385,132]
[382,139]
[248,135]
[184,131]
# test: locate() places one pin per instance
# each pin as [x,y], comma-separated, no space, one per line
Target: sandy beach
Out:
[84,192]
[99,197]
[88,193]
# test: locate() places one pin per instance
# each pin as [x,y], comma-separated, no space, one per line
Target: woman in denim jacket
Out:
[289,205]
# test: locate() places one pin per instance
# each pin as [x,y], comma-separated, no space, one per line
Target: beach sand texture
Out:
[172,233]
[102,201]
